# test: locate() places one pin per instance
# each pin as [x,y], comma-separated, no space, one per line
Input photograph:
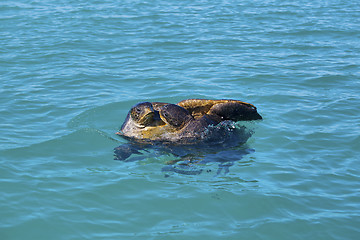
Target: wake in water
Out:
[222,144]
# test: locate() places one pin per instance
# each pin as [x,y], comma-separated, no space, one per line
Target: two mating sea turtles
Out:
[182,123]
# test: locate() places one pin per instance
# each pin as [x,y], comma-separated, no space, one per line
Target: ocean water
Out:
[71,70]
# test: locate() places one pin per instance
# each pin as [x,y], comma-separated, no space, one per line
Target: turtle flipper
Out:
[225,109]
[234,111]
[123,152]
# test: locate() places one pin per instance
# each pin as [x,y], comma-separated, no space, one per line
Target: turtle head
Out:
[143,114]
[175,115]
[140,116]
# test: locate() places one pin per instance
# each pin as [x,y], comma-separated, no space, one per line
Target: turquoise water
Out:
[71,70]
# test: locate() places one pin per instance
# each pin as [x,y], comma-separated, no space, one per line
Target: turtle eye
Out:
[138,110]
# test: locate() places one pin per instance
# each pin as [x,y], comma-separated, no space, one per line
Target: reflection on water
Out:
[192,165]
[223,145]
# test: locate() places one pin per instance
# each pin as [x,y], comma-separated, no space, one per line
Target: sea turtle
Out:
[190,130]
[184,122]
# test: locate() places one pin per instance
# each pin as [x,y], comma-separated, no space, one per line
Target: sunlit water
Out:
[71,70]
